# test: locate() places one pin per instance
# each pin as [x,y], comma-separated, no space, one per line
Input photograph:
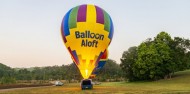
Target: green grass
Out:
[180,84]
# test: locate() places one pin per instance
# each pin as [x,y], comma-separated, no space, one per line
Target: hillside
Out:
[4,70]
[4,67]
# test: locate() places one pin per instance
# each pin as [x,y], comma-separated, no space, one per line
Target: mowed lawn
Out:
[180,84]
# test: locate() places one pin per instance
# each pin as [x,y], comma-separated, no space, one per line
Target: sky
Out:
[30,29]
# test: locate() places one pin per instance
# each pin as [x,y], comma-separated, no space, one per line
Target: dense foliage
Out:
[70,72]
[156,59]
[110,71]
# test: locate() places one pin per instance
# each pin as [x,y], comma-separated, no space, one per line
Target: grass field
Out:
[180,84]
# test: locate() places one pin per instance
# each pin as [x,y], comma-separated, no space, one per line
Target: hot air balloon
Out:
[87,31]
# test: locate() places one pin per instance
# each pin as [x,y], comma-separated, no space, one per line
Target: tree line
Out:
[69,72]
[156,58]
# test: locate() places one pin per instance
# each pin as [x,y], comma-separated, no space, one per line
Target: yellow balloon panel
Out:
[88,40]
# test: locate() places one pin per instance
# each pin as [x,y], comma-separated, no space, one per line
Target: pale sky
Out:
[30,29]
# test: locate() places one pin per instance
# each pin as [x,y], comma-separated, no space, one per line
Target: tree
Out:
[72,72]
[154,59]
[180,53]
[37,73]
[6,74]
[162,42]
[111,70]
[127,63]
[23,74]
[5,71]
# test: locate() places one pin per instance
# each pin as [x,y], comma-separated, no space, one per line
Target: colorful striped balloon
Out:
[87,31]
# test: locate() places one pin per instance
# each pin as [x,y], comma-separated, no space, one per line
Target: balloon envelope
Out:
[87,31]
